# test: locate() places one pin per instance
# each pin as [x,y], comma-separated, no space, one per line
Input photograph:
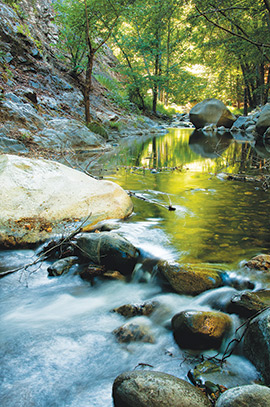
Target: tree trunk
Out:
[88,87]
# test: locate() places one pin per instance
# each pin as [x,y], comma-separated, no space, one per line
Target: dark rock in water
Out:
[257,343]
[131,332]
[248,303]
[252,395]
[155,389]
[200,329]
[191,279]
[132,310]
[211,111]
[260,262]
[92,271]
[108,249]
[62,266]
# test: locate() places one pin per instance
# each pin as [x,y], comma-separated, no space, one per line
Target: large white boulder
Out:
[40,198]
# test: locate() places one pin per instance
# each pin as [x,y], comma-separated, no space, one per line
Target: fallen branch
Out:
[142,198]
[47,252]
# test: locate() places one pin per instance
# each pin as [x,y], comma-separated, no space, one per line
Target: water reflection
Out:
[215,220]
[209,145]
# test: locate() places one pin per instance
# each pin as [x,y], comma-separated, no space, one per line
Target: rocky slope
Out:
[41,109]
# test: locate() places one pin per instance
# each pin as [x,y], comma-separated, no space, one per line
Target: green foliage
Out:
[98,129]
[25,31]
[116,91]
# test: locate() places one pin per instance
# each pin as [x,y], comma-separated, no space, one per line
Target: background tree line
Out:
[171,51]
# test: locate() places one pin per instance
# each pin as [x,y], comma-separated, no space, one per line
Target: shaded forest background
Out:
[170,52]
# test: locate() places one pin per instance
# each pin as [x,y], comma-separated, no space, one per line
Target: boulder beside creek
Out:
[41,198]
[191,279]
[108,249]
[155,389]
[264,120]
[200,329]
[211,111]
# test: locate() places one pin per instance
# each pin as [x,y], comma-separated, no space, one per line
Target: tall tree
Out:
[85,27]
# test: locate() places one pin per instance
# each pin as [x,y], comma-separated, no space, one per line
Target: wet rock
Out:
[257,343]
[191,279]
[261,262]
[264,120]
[132,310]
[211,111]
[62,266]
[252,395]
[200,329]
[155,389]
[92,271]
[132,332]
[248,303]
[108,249]
[40,198]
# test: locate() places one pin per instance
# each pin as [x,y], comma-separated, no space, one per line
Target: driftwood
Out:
[142,198]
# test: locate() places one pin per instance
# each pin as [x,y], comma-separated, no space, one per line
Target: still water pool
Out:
[57,347]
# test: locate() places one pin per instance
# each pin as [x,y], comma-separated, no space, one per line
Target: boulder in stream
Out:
[108,249]
[155,389]
[211,111]
[253,395]
[257,343]
[41,198]
[200,329]
[191,279]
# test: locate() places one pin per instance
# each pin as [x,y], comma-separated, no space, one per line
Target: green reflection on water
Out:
[215,220]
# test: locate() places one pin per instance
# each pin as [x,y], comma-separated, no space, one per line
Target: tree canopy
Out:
[172,51]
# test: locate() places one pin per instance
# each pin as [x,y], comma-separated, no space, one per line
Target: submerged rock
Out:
[257,343]
[133,332]
[40,198]
[200,329]
[252,395]
[191,279]
[108,249]
[155,389]
[211,111]
[132,310]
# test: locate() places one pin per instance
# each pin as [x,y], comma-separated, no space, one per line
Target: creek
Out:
[57,346]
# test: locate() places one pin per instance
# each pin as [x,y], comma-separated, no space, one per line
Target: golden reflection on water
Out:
[215,220]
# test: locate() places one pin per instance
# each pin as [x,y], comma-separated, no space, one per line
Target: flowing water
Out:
[57,346]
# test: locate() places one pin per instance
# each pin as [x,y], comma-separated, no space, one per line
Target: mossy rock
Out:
[191,279]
